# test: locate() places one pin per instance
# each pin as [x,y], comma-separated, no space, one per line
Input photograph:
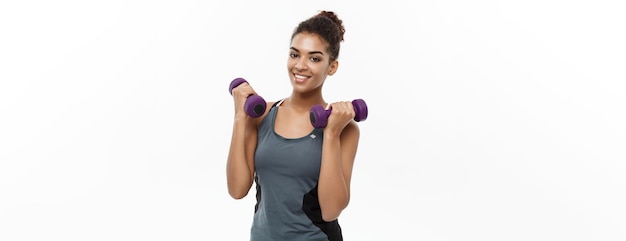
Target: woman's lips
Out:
[300,78]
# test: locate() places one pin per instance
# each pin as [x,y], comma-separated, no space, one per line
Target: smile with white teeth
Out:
[300,78]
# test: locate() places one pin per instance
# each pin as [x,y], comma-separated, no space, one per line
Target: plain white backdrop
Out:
[489,120]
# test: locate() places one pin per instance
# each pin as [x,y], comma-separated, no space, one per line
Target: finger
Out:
[240,86]
[244,90]
[346,107]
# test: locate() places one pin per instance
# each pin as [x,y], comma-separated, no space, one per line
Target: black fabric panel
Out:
[258,194]
[311,207]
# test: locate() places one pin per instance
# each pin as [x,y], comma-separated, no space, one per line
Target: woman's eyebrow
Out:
[312,52]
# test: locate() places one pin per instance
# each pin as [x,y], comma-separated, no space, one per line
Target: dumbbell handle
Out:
[255,105]
[319,115]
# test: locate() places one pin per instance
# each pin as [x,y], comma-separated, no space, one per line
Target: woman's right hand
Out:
[240,95]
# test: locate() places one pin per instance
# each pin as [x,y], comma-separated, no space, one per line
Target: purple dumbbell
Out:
[319,115]
[255,105]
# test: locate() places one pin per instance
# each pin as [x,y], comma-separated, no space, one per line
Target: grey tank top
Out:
[286,176]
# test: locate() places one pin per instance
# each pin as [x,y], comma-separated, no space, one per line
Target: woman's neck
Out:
[303,102]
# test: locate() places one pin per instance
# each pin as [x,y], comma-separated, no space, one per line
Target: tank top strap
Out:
[277,103]
[268,122]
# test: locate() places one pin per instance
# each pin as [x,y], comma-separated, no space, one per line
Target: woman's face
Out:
[309,62]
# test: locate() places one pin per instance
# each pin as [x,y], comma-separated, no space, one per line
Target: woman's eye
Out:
[315,59]
[292,55]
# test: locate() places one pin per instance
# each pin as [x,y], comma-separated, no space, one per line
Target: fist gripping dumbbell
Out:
[255,104]
[319,115]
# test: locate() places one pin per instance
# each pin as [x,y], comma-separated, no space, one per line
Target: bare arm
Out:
[338,154]
[240,162]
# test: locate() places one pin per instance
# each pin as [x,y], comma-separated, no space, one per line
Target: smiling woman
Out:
[302,173]
[492,121]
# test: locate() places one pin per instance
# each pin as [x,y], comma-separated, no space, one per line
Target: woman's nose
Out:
[301,64]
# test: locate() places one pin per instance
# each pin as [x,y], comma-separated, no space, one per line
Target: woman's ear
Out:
[333,67]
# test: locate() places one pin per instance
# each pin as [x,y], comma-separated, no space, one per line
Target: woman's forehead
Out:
[307,42]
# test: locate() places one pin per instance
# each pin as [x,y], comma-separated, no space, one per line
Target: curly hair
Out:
[328,26]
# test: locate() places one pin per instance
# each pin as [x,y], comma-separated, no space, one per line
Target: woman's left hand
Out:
[341,114]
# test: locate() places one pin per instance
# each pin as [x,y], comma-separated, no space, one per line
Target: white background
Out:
[489,120]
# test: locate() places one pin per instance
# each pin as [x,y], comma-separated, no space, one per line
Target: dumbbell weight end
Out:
[255,105]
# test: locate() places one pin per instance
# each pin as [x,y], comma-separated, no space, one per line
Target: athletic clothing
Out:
[286,176]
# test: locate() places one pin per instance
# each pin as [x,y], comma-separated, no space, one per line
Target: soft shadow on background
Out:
[489,120]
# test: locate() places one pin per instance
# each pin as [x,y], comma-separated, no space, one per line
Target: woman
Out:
[302,173]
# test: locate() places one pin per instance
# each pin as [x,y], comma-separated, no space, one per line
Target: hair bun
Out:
[332,16]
